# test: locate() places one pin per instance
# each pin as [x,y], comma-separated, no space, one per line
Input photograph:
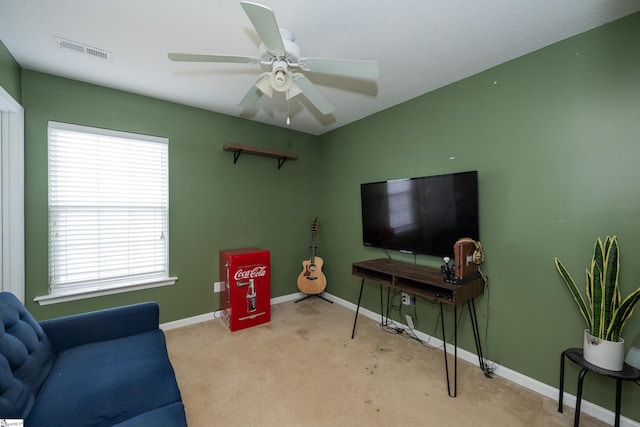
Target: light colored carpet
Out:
[303,369]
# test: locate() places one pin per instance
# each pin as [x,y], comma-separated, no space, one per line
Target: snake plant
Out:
[603,309]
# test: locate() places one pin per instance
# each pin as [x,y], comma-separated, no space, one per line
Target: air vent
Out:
[83,49]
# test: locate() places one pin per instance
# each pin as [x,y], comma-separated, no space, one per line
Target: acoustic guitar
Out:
[311,280]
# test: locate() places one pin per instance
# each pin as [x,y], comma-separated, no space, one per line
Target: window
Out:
[108,211]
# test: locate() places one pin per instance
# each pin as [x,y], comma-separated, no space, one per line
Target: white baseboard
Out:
[587,407]
[212,315]
[286,298]
[187,321]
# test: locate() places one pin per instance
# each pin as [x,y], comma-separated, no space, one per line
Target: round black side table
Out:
[628,373]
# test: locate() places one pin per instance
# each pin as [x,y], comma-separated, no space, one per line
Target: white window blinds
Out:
[108,207]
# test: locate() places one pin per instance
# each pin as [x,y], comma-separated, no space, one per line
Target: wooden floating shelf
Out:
[238,149]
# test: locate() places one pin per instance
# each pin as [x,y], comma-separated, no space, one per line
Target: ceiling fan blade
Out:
[264,21]
[293,91]
[259,88]
[344,67]
[188,57]
[314,95]
[251,98]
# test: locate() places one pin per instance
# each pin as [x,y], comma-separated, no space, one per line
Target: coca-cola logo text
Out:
[259,271]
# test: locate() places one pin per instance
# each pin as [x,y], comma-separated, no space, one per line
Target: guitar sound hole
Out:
[312,267]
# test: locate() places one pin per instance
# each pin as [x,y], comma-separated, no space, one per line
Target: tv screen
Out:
[424,215]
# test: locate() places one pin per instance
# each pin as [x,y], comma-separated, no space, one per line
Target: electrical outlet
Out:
[410,321]
[408,299]
[218,286]
[405,298]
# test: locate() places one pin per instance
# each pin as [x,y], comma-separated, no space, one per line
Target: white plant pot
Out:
[605,354]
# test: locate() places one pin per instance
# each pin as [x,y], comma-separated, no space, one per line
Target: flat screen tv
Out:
[425,215]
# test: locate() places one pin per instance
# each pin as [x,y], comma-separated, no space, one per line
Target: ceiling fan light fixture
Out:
[281,79]
[264,84]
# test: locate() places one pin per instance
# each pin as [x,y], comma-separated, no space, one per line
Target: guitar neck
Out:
[313,248]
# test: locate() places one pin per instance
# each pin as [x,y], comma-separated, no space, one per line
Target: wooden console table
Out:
[428,283]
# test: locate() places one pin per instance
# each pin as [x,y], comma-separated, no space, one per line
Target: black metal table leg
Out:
[444,343]
[561,396]
[618,401]
[455,352]
[355,320]
[381,308]
[386,323]
[576,419]
[476,336]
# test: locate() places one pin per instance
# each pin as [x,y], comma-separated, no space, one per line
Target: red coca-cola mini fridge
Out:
[245,300]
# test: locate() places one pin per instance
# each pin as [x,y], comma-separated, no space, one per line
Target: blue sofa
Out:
[103,368]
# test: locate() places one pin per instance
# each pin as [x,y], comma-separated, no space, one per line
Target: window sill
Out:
[97,291]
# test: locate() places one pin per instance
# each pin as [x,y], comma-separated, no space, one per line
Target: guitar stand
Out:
[314,295]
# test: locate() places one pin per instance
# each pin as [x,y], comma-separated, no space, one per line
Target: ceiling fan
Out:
[282,60]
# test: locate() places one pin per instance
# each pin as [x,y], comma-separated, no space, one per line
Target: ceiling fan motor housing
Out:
[292,50]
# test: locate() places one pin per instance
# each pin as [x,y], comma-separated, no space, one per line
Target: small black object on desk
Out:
[448,270]
[628,373]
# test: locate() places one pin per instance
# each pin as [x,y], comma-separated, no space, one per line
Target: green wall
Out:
[9,73]
[214,204]
[555,137]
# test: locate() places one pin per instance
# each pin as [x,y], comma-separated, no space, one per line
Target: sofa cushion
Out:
[26,357]
[168,416]
[106,383]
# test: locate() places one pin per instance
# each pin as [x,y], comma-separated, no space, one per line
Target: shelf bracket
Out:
[281,161]
[236,156]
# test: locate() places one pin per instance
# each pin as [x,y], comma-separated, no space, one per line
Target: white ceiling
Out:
[421,45]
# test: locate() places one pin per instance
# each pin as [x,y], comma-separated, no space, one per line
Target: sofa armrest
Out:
[102,325]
